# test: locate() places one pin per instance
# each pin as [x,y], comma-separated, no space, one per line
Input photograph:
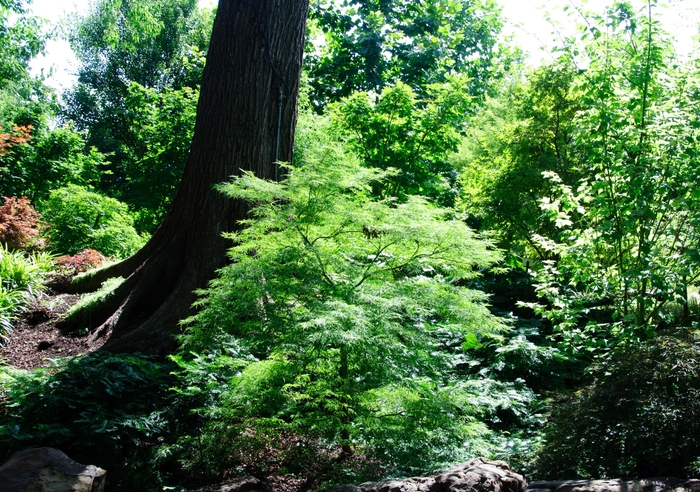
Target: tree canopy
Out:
[369,44]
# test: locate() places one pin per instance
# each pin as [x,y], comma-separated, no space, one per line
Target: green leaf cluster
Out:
[140,65]
[21,277]
[530,128]
[414,135]
[367,45]
[104,409]
[21,39]
[638,415]
[80,219]
[346,319]
[163,123]
[53,158]
[626,232]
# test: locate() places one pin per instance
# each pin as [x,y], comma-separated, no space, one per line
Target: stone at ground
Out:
[49,470]
[659,484]
[244,483]
[477,475]
[689,486]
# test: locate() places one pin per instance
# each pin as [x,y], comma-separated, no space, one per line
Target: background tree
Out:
[411,134]
[530,128]
[158,45]
[36,155]
[373,43]
[21,39]
[252,73]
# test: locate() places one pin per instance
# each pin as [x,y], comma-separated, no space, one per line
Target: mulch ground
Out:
[35,340]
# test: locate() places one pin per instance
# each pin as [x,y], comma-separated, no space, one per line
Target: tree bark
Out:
[255,55]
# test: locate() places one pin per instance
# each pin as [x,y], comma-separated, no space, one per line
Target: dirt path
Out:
[35,341]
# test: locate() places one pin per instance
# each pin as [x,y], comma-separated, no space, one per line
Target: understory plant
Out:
[109,410]
[19,224]
[639,416]
[625,245]
[347,322]
[79,218]
[21,276]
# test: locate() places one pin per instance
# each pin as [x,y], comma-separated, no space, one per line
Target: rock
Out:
[480,475]
[244,483]
[689,486]
[49,470]
[477,475]
[613,485]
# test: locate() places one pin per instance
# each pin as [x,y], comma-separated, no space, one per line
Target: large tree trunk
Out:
[255,56]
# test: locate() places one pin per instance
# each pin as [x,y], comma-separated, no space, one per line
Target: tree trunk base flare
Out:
[255,53]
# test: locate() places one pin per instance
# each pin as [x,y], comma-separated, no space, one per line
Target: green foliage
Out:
[24,99]
[147,42]
[21,39]
[104,409]
[638,416]
[529,129]
[158,45]
[413,135]
[369,44]
[21,276]
[25,102]
[156,156]
[626,240]
[22,272]
[52,158]
[80,219]
[344,320]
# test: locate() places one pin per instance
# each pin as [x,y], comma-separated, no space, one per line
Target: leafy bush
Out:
[19,224]
[103,409]
[347,322]
[81,219]
[638,416]
[81,262]
[20,277]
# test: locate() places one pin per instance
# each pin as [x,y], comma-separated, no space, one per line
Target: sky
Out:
[525,20]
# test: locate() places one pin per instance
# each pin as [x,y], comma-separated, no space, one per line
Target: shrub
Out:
[344,322]
[86,260]
[19,224]
[81,219]
[104,409]
[639,416]
[20,135]
[20,276]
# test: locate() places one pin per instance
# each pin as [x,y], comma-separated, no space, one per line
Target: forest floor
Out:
[36,341]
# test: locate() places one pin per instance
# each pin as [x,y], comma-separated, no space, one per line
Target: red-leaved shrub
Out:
[81,262]
[19,224]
